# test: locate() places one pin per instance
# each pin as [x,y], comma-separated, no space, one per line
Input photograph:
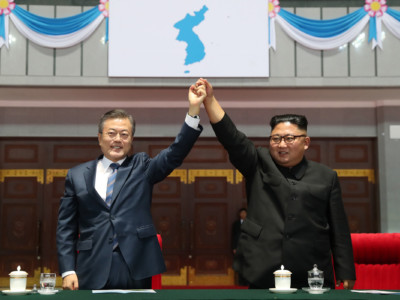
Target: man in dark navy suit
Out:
[106,238]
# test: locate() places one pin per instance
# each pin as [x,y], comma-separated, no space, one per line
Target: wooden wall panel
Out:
[173,264]
[351,154]
[211,230]
[318,151]
[56,188]
[198,154]
[75,153]
[193,209]
[19,236]
[355,188]
[211,238]
[360,217]
[48,251]
[207,154]
[211,264]
[168,221]
[168,188]
[211,187]
[167,218]
[25,188]
[21,154]
[19,227]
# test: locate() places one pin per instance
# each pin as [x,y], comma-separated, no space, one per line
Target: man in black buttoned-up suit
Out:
[295,214]
[114,245]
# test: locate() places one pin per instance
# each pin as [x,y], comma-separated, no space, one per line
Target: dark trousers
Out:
[120,277]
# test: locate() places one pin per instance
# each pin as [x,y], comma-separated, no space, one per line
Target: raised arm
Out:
[172,157]
[242,152]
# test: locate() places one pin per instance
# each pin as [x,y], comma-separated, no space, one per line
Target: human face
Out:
[116,139]
[289,155]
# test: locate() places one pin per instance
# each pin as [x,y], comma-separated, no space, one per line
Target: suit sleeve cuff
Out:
[193,122]
[67,273]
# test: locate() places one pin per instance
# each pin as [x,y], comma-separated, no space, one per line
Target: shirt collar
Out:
[106,162]
[296,172]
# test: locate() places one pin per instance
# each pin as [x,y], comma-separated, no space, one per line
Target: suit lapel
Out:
[90,177]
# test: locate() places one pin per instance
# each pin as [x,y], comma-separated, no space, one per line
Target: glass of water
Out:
[315,278]
[47,281]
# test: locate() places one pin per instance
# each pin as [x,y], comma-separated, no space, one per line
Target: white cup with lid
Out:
[282,279]
[18,280]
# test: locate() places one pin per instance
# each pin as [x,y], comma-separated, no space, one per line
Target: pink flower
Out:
[6,6]
[375,7]
[104,7]
[273,8]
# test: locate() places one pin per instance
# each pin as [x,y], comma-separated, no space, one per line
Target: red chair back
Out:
[156,279]
[377,260]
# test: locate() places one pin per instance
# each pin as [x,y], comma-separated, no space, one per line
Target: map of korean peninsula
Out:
[195,50]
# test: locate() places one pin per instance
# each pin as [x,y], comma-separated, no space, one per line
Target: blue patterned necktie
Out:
[110,187]
[110,183]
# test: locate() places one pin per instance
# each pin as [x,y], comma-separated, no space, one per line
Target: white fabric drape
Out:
[56,41]
[318,43]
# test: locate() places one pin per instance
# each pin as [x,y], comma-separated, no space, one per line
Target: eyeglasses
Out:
[113,135]
[289,138]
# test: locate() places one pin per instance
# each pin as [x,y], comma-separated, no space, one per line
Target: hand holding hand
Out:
[196,96]
[208,87]
[213,109]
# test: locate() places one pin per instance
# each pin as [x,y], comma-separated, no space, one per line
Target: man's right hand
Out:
[70,282]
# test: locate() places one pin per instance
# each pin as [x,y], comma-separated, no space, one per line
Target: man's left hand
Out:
[347,284]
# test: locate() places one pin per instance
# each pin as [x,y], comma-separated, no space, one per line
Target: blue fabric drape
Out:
[393,13]
[372,29]
[316,34]
[2,27]
[59,26]
[323,28]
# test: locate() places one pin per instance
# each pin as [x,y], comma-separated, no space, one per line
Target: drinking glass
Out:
[315,278]
[47,281]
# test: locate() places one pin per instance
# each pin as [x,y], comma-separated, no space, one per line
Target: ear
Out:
[307,142]
[99,138]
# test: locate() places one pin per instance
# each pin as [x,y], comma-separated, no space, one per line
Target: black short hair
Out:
[299,120]
[116,114]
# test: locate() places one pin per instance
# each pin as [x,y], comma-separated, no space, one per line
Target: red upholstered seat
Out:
[156,279]
[377,260]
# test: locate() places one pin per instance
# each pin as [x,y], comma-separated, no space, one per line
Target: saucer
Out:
[47,292]
[10,292]
[316,291]
[283,291]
